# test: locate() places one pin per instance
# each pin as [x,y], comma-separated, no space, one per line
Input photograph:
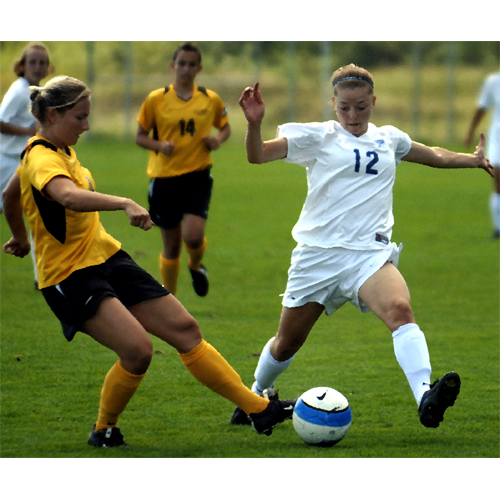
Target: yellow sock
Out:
[196,255]
[169,271]
[119,387]
[211,369]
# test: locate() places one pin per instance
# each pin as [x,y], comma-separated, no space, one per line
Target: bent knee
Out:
[192,331]
[187,336]
[138,357]
[283,350]
[400,313]
[193,242]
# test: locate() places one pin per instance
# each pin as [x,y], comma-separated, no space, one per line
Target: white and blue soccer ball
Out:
[322,416]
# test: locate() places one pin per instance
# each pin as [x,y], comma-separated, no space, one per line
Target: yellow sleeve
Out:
[44,165]
[147,114]
[221,116]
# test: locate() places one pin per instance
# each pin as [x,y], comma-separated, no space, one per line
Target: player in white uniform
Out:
[489,98]
[17,124]
[344,251]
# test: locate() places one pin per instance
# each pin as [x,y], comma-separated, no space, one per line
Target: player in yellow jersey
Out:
[175,124]
[91,284]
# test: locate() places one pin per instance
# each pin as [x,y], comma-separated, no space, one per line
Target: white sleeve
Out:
[304,141]
[403,147]
[401,143]
[14,105]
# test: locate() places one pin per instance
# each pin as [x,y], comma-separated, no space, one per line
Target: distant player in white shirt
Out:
[344,251]
[17,124]
[489,98]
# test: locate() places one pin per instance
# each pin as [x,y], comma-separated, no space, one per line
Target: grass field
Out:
[50,388]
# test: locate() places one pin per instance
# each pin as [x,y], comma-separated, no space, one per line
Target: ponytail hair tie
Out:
[35,92]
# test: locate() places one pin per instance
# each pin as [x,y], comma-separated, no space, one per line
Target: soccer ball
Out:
[322,416]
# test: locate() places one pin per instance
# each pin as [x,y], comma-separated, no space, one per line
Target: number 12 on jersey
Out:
[370,165]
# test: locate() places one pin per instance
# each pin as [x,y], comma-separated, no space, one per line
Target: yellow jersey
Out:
[65,241]
[183,122]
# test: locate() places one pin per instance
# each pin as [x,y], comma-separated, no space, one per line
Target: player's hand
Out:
[482,161]
[138,216]
[16,247]
[252,104]
[211,142]
[166,147]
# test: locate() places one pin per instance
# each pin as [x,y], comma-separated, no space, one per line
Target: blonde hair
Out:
[20,64]
[61,93]
[351,76]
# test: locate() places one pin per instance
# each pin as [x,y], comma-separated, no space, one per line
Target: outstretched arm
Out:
[64,191]
[254,109]
[443,158]
[19,245]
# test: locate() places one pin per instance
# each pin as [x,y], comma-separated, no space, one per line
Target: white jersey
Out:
[16,109]
[489,98]
[350,181]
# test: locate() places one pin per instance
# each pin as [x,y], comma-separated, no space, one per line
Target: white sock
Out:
[268,370]
[495,210]
[412,354]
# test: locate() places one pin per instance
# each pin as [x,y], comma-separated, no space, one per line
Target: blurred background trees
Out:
[428,89]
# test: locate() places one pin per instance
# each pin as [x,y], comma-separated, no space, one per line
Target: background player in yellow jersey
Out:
[175,123]
[91,284]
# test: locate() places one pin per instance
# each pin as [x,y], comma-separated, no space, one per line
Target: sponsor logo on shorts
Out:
[382,238]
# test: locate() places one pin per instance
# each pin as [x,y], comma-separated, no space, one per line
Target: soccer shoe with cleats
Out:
[438,398]
[200,280]
[241,418]
[276,412]
[106,438]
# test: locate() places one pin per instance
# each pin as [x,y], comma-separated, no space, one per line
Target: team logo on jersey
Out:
[380,142]
[224,112]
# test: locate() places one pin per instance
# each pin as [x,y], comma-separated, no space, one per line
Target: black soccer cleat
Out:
[276,412]
[438,398]
[240,417]
[200,280]
[106,438]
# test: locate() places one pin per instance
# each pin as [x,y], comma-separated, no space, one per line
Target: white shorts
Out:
[333,276]
[8,167]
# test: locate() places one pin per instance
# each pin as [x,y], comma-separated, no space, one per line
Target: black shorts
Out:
[77,298]
[170,198]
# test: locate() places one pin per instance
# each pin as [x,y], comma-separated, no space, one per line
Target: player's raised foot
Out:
[438,398]
[106,438]
[200,280]
[276,412]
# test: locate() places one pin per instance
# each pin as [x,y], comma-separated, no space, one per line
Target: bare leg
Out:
[387,295]
[114,327]
[277,355]
[167,319]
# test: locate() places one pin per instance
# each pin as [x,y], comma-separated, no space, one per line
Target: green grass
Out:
[50,388]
